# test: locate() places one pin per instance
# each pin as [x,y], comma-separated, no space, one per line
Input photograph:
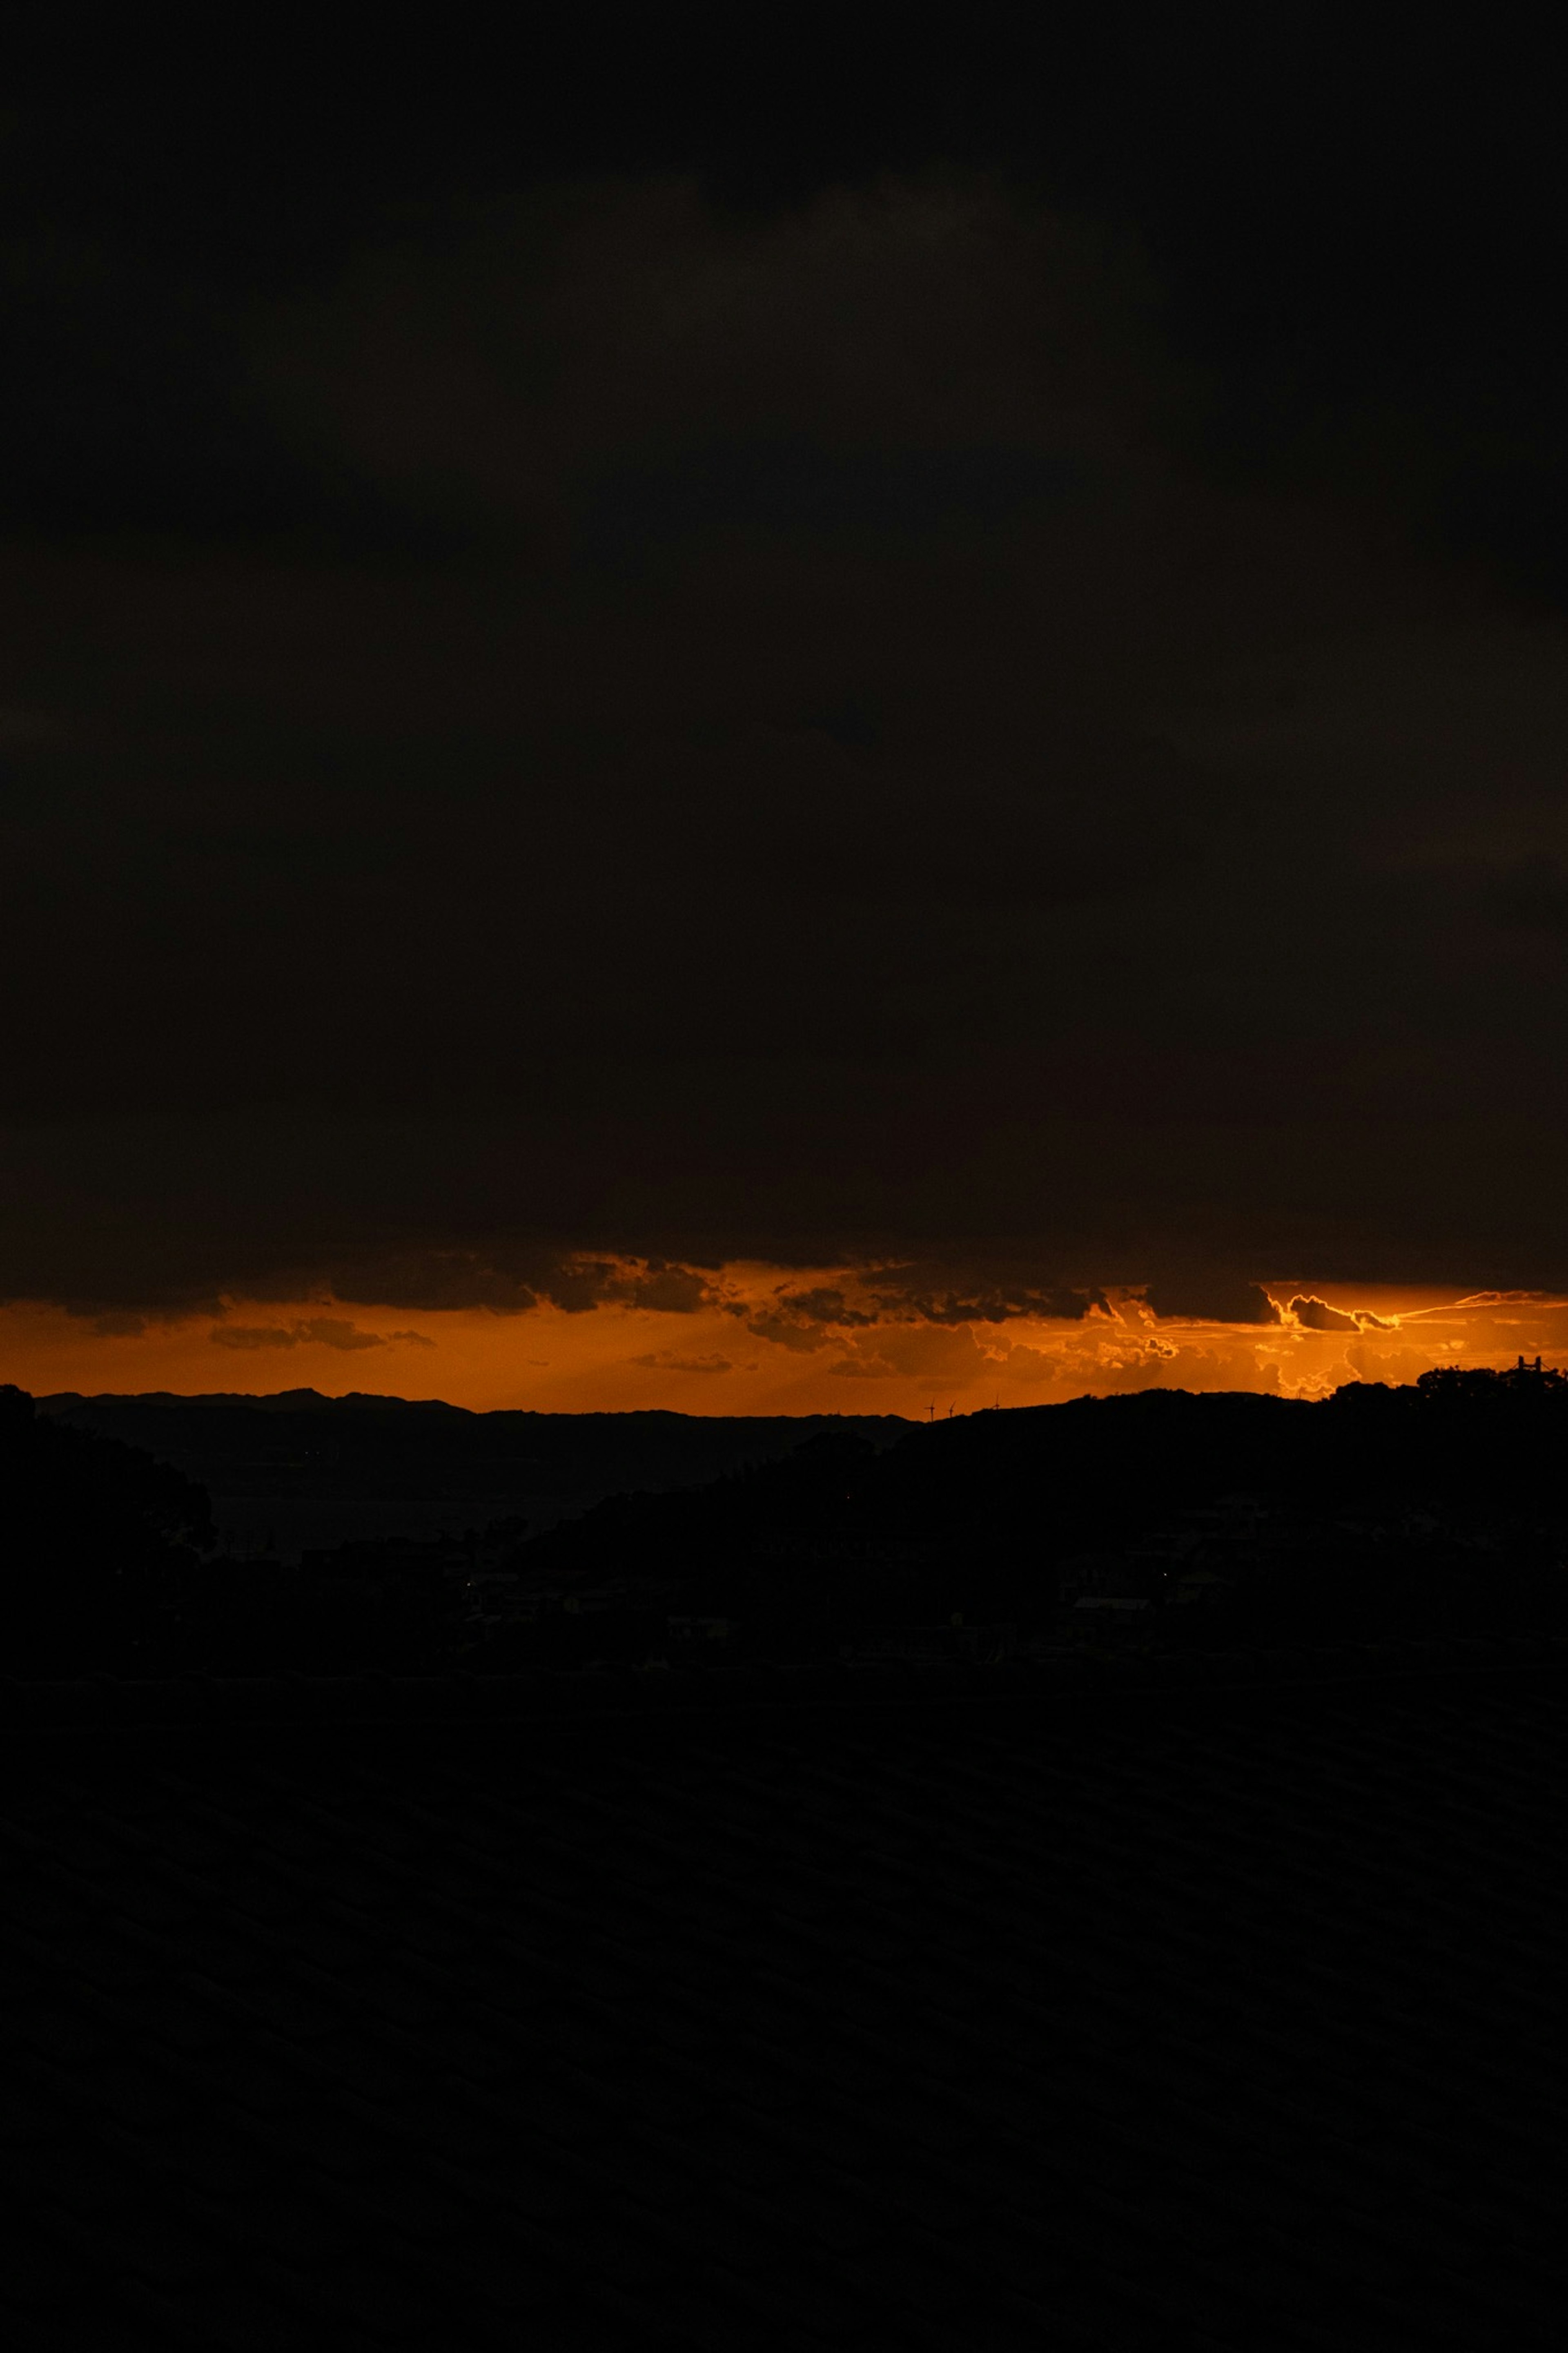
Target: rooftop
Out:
[1213,2002]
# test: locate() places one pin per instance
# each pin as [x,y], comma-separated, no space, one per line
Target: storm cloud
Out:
[581,731]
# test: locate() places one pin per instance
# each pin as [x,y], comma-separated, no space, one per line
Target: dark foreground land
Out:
[825,2008]
[671,1930]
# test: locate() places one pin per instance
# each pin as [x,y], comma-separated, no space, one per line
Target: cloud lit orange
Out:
[761,1339]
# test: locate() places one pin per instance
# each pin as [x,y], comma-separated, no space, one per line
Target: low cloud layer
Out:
[311,1332]
[666,1360]
[1316,1315]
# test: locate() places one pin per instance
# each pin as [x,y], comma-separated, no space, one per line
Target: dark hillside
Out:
[1445,1500]
[98,1544]
[974,1511]
[299,1471]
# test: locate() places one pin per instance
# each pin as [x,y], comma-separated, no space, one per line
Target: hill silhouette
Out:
[1162,1519]
[99,1545]
[299,1471]
[1375,1509]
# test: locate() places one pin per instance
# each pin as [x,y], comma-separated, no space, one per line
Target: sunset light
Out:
[767,1340]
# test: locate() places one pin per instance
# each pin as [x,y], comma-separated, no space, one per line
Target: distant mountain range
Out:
[296,1471]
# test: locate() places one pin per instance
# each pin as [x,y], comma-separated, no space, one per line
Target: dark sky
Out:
[760,644]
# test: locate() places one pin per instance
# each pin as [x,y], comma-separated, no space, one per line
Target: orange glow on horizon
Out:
[764,1340]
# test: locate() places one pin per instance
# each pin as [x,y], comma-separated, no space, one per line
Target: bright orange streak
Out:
[720,1358]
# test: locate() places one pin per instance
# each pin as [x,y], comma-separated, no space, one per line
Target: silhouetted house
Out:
[592,1602]
[1205,1551]
[1109,1581]
[1199,1582]
[487,1593]
[1236,1532]
[689,1634]
[1366,1526]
